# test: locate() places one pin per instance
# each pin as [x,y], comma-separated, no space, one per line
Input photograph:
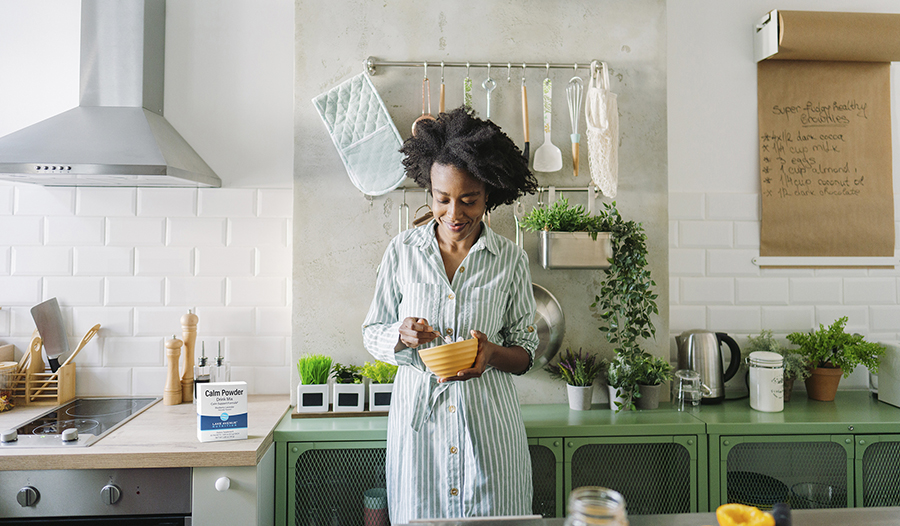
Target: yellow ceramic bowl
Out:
[448,359]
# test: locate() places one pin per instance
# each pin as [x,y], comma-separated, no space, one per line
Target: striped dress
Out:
[456,449]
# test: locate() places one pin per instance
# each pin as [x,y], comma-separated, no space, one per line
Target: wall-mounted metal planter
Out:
[574,250]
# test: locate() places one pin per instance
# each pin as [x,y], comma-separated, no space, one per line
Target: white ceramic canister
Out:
[766,381]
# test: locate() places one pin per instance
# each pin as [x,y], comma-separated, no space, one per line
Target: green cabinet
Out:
[877,470]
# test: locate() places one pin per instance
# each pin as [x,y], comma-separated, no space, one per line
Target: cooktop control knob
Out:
[70,435]
[10,435]
[110,494]
[28,496]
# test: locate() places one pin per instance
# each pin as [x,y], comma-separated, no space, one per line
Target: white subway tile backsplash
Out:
[33,200]
[273,321]
[103,381]
[21,230]
[5,261]
[707,291]
[134,351]
[20,290]
[74,290]
[684,318]
[164,261]
[705,234]
[738,207]
[884,318]
[114,321]
[273,260]
[673,234]
[276,202]
[731,262]
[104,261]
[195,232]
[762,291]
[7,191]
[257,292]
[674,291]
[788,319]
[148,381]
[167,202]
[41,261]
[133,231]
[162,321]
[21,323]
[259,351]
[746,234]
[105,202]
[134,291]
[734,319]
[816,291]
[227,320]
[870,291]
[686,206]
[226,261]
[4,326]
[71,231]
[227,202]
[687,262]
[91,355]
[856,316]
[787,272]
[190,292]
[257,232]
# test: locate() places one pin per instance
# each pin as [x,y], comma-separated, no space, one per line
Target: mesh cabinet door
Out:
[807,471]
[654,474]
[330,479]
[546,476]
[878,470]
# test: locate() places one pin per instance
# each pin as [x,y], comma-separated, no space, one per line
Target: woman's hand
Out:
[415,332]
[482,359]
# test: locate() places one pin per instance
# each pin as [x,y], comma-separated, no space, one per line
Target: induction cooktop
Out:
[78,423]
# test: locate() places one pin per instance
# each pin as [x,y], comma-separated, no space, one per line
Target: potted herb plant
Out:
[652,371]
[831,353]
[349,391]
[579,371]
[570,237]
[381,375]
[621,380]
[312,393]
[795,365]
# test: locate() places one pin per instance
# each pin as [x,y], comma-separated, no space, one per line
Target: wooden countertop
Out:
[161,436]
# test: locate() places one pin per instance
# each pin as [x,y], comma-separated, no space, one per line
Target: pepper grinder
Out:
[189,333]
[172,393]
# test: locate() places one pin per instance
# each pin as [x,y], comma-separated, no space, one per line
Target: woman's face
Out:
[458,202]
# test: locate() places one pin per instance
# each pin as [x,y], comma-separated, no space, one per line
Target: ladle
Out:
[426,93]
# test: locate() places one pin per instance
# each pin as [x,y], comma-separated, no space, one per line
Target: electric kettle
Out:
[701,351]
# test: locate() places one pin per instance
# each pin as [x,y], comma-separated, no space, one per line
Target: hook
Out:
[442,72]
[508,72]
[523,73]
[576,68]
[489,70]
[548,70]
[467,69]
[426,70]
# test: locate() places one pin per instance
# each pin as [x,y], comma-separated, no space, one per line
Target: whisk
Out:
[574,92]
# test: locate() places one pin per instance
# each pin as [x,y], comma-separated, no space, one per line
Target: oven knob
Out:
[70,435]
[28,496]
[110,494]
[10,435]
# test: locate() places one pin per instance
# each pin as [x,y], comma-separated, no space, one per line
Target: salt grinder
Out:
[189,333]
[172,393]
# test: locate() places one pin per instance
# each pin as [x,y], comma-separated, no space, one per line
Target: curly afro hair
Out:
[476,146]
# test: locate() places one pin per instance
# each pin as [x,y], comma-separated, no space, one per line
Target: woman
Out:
[456,447]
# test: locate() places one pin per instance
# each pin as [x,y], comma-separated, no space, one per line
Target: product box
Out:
[222,411]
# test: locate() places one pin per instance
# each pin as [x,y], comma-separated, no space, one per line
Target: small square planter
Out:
[649,398]
[312,398]
[380,396]
[575,250]
[348,397]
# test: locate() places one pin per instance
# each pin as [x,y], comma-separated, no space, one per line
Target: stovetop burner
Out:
[91,418]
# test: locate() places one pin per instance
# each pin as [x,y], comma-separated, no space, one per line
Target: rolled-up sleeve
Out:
[518,324]
[381,328]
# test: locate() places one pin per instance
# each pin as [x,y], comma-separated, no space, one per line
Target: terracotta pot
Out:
[788,387]
[649,397]
[823,382]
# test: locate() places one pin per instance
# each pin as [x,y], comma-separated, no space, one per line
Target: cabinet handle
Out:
[223,483]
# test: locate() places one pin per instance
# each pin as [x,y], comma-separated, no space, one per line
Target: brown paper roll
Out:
[851,37]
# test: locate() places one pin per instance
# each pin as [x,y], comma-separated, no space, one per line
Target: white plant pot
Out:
[614,397]
[312,398]
[348,397]
[580,397]
[380,396]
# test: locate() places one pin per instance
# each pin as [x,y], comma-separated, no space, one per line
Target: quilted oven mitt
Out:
[364,134]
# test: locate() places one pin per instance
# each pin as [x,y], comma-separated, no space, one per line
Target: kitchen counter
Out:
[160,437]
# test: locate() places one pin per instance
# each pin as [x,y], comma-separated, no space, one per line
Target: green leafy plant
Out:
[560,217]
[346,374]
[379,372]
[314,369]
[576,369]
[652,370]
[622,375]
[832,347]
[795,364]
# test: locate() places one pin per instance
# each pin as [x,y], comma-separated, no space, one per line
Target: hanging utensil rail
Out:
[372,64]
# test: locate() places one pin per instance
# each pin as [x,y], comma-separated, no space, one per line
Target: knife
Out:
[49,322]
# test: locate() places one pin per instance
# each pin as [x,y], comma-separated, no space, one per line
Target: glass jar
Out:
[593,506]
[766,381]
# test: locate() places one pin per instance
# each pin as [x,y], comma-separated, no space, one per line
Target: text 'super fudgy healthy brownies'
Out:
[222,411]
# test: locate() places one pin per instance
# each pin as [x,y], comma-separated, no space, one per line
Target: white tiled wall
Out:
[714,284]
[135,260]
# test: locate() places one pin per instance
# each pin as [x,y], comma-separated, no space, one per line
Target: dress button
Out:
[530,328]
[453,450]
[452,409]
[454,491]
[449,331]
[462,269]
[451,296]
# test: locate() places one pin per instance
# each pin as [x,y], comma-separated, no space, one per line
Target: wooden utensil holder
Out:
[45,388]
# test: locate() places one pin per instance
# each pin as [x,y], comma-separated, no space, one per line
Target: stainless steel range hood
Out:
[117,135]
